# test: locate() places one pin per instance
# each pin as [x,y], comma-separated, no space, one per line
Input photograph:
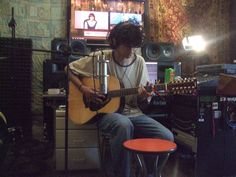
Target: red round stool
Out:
[154,146]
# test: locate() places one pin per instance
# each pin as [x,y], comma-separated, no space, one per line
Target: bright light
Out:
[194,43]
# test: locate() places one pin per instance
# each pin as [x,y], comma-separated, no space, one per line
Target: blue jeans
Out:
[121,128]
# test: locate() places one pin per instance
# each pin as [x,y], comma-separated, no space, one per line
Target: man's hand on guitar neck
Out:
[91,95]
[143,93]
[144,96]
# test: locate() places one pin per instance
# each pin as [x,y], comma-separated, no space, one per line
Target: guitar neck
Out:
[133,91]
[178,87]
[122,92]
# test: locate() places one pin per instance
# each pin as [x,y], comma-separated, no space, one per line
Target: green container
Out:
[169,75]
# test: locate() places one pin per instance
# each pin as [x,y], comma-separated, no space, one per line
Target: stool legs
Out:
[141,164]
[159,164]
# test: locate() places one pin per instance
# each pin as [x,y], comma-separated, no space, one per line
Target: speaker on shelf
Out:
[53,75]
[78,46]
[58,45]
[153,52]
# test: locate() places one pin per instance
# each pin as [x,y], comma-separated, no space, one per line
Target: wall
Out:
[172,20]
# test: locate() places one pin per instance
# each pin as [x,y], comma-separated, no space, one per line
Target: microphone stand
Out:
[67,86]
[12,23]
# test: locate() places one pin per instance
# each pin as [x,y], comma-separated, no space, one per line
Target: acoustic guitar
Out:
[81,111]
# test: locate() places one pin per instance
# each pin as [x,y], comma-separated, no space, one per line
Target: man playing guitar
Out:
[130,70]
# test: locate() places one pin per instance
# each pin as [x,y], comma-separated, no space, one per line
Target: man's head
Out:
[126,33]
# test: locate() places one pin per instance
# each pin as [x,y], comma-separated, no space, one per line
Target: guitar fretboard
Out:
[122,92]
[133,91]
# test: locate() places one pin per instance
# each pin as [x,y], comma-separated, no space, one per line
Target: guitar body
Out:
[78,112]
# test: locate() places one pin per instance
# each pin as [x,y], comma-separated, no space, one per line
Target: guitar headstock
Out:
[183,86]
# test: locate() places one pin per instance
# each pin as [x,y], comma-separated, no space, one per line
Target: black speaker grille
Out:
[58,45]
[158,51]
[15,81]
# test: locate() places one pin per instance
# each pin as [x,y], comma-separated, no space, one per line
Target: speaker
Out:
[53,75]
[158,52]
[78,49]
[58,45]
[15,82]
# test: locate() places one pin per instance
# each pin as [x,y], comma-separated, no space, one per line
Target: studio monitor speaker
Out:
[79,46]
[58,45]
[154,52]
[78,49]
[53,75]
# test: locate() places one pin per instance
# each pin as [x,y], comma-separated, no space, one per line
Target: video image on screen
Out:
[116,17]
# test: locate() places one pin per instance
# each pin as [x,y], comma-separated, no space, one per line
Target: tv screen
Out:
[116,17]
[91,24]
[92,20]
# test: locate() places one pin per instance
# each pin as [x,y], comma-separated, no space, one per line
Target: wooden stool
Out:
[154,146]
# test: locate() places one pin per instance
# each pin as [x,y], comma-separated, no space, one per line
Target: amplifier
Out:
[184,113]
[216,136]
[207,125]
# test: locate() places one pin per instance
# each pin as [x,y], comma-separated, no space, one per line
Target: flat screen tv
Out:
[92,20]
